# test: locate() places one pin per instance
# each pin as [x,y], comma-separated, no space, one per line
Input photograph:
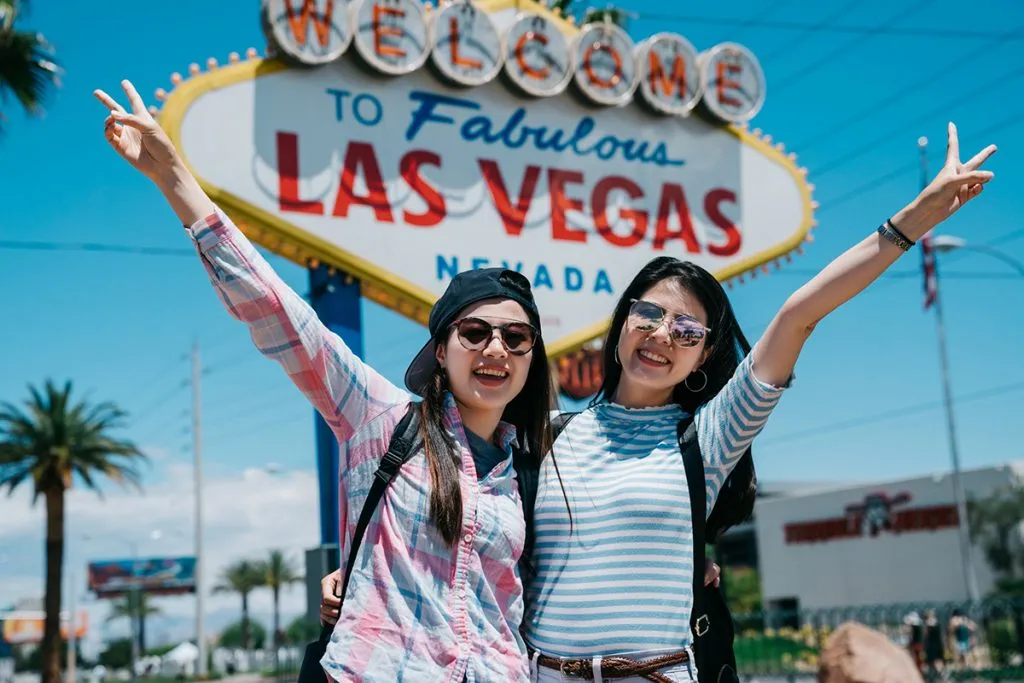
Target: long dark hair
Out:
[529,412]
[728,345]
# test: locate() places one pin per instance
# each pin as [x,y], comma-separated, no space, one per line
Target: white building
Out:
[866,544]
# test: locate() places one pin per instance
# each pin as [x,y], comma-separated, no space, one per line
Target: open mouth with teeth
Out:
[490,377]
[651,358]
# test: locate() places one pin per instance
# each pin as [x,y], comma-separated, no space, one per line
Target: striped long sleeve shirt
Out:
[620,582]
[416,609]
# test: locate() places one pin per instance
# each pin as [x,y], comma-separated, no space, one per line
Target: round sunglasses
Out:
[475,334]
[684,330]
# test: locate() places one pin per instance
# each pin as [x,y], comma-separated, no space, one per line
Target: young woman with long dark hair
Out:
[434,594]
[613,591]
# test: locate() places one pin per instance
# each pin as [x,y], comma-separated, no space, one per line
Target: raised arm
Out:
[284,328]
[775,354]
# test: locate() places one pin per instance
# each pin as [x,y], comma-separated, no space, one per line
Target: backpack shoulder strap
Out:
[694,464]
[400,449]
[559,422]
[527,476]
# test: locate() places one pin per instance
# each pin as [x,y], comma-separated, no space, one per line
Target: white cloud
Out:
[244,517]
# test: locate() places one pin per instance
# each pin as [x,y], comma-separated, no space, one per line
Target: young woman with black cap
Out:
[434,594]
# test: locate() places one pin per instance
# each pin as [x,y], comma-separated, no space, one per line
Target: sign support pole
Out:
[335,296]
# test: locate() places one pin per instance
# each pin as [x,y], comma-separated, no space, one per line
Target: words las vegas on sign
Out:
[403,143]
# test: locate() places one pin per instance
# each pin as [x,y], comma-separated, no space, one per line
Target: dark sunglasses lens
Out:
[518,338]
[646,315]
[476,333]
[687,333]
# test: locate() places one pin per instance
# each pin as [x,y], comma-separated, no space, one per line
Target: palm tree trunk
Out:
[50,649]
[277,627]
[142,625]
[245,621]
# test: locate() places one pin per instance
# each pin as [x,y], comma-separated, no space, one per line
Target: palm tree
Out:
[242,577]
[561,7]
[27,65]
[995,526]
[125,607]
[609,13]
[51,443]
[279,572]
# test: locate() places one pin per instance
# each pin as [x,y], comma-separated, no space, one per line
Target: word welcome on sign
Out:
[464,46]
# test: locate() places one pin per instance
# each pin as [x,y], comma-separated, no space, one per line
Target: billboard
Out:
[21,627]
[156,576]
[431,141]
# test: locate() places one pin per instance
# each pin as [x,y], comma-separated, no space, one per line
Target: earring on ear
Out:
[617,355]
[704,375]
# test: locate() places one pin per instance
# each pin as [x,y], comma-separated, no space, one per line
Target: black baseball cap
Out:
[467,288]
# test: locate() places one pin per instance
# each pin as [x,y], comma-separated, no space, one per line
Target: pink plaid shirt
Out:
[416,609]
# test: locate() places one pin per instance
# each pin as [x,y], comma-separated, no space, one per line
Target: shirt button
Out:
[468,538]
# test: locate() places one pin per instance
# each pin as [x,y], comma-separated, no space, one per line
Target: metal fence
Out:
[788,644]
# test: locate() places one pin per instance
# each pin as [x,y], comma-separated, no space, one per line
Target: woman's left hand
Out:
[712,574]
[955,185]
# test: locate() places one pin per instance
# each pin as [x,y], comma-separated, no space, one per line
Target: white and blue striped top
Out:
[622,582]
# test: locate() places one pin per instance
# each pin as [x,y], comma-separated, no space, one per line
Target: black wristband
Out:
[891,233]
[899,232]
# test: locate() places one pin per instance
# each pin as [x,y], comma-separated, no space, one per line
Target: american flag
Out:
[931,277]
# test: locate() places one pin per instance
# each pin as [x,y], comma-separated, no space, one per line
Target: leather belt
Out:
[615,667]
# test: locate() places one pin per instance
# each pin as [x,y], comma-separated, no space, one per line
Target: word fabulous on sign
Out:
[464,46]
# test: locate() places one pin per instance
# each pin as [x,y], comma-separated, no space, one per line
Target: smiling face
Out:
[487,379]
[652,363]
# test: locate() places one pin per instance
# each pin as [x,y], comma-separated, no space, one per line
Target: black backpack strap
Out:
[558,424]
[400,449]
[527,475]
[694,464]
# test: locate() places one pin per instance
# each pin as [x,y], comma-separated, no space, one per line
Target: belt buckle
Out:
[703,625]
[574,670]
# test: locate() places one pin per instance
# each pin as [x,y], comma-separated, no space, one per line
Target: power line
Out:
[757,22]
[866,147]
[811,30]
[845,47]
[827,205]
[142,414]
[942,73]
[95,247]
[904,274]
[892,414]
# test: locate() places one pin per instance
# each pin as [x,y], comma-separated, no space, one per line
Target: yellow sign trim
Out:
[378,285]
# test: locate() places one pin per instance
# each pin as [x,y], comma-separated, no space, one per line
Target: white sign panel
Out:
[406,181]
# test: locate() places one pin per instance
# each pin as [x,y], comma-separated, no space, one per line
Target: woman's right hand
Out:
[140,141]
[137,137]
[329,601]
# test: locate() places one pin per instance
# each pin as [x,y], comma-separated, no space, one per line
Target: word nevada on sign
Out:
[432,141]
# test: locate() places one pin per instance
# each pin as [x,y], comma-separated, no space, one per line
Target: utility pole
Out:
[970,579]
[197,450]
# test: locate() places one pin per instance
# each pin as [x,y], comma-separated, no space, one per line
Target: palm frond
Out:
[28,66]
[53,440]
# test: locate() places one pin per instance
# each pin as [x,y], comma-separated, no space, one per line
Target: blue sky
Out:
[867,400]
